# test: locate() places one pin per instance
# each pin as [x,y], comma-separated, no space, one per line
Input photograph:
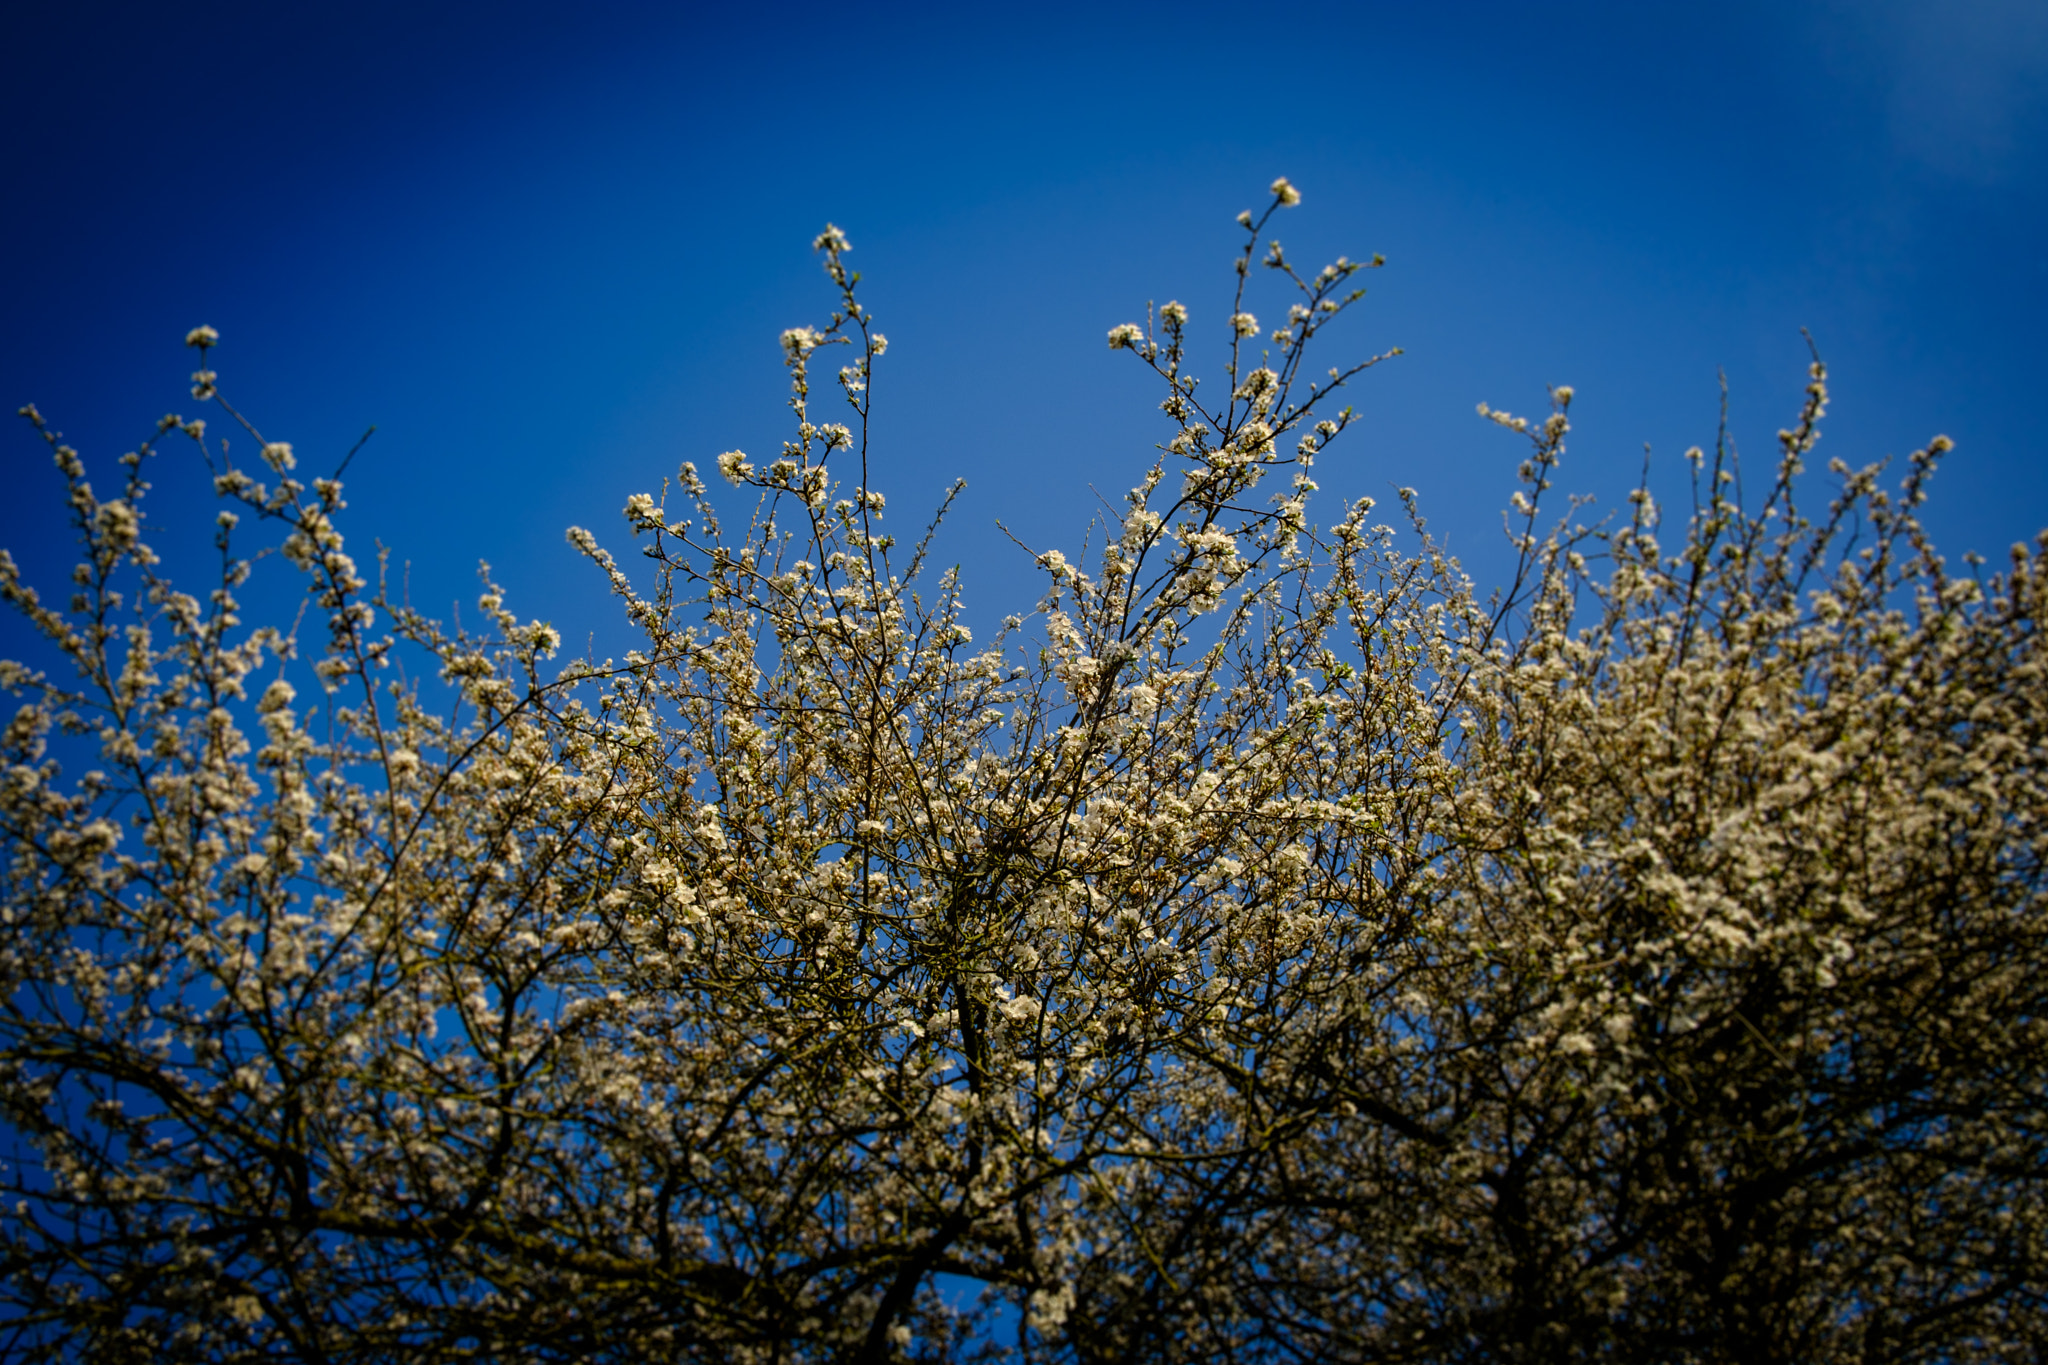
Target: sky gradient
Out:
[548,252]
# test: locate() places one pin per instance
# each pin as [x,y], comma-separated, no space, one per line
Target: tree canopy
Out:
[1266,947]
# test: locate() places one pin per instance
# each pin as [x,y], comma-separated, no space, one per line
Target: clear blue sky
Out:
[547,249]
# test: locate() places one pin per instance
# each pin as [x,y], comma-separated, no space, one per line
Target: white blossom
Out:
[1272,947]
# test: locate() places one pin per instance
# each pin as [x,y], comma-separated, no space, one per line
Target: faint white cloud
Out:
[1964,83]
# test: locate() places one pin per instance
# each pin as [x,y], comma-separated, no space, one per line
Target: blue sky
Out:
[548,250]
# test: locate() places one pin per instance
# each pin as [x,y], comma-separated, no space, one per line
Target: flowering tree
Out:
[1273,951]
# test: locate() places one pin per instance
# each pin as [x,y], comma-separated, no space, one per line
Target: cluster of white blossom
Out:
[1269,950]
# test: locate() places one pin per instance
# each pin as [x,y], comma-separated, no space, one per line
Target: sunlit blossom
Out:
[1271,945]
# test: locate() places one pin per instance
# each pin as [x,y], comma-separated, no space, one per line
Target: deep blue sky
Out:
[548,249]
